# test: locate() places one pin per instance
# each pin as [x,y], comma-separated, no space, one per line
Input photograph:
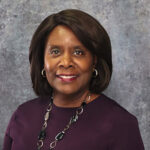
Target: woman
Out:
[71,65]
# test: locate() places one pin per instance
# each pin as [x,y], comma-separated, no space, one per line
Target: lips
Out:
[67,77]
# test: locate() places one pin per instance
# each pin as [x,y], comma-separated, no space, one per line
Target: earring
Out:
[96,73]
[43,73]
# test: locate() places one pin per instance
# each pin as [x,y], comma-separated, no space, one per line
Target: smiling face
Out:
[68,64]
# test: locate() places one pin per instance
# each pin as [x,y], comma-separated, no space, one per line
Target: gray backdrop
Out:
[128,24]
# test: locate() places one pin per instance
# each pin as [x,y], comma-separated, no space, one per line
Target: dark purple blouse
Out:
[104,125]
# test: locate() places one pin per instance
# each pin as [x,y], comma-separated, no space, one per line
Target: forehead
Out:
[61,29]
[62,33]
[63,36]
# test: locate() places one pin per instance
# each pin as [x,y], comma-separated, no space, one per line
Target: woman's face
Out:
[68,64]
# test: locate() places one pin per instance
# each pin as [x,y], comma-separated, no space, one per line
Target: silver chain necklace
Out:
[61,134]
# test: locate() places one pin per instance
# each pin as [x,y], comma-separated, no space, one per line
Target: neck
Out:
[71,100]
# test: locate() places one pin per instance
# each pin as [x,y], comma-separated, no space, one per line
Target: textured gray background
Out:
[128,24]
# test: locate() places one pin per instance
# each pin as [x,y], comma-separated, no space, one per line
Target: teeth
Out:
[67,77]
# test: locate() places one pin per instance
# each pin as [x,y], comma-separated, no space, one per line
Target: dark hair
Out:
[90,33]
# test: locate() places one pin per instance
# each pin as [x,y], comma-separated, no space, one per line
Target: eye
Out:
[55,51]
[79,52]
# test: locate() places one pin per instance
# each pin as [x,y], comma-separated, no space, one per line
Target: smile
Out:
[67,78]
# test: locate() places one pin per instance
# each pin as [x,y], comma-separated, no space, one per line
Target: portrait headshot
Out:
[74,75]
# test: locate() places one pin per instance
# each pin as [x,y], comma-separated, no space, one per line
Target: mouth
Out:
[67,77]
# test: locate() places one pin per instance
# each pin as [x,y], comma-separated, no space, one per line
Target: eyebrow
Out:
[54,46]
[59,46]
[81,47]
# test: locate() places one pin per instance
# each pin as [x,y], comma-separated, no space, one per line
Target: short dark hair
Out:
[90,33]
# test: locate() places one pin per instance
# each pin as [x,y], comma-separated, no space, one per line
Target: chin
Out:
[68,91]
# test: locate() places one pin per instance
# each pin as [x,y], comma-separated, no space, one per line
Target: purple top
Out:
[104,125]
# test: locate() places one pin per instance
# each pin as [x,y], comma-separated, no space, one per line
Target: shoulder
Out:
[26,112]
[115,116]
[33,105]
[113,110]
[35,102]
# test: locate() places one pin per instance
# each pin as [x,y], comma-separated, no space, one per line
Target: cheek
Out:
[50,72]
[86,66]
[86,74]
[49,68]
[48,63]
[86,70]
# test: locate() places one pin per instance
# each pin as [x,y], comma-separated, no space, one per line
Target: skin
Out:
[65,54]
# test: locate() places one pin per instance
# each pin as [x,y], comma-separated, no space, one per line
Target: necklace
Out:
[61,134]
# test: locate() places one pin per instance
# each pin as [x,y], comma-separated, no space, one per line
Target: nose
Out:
[66,61]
